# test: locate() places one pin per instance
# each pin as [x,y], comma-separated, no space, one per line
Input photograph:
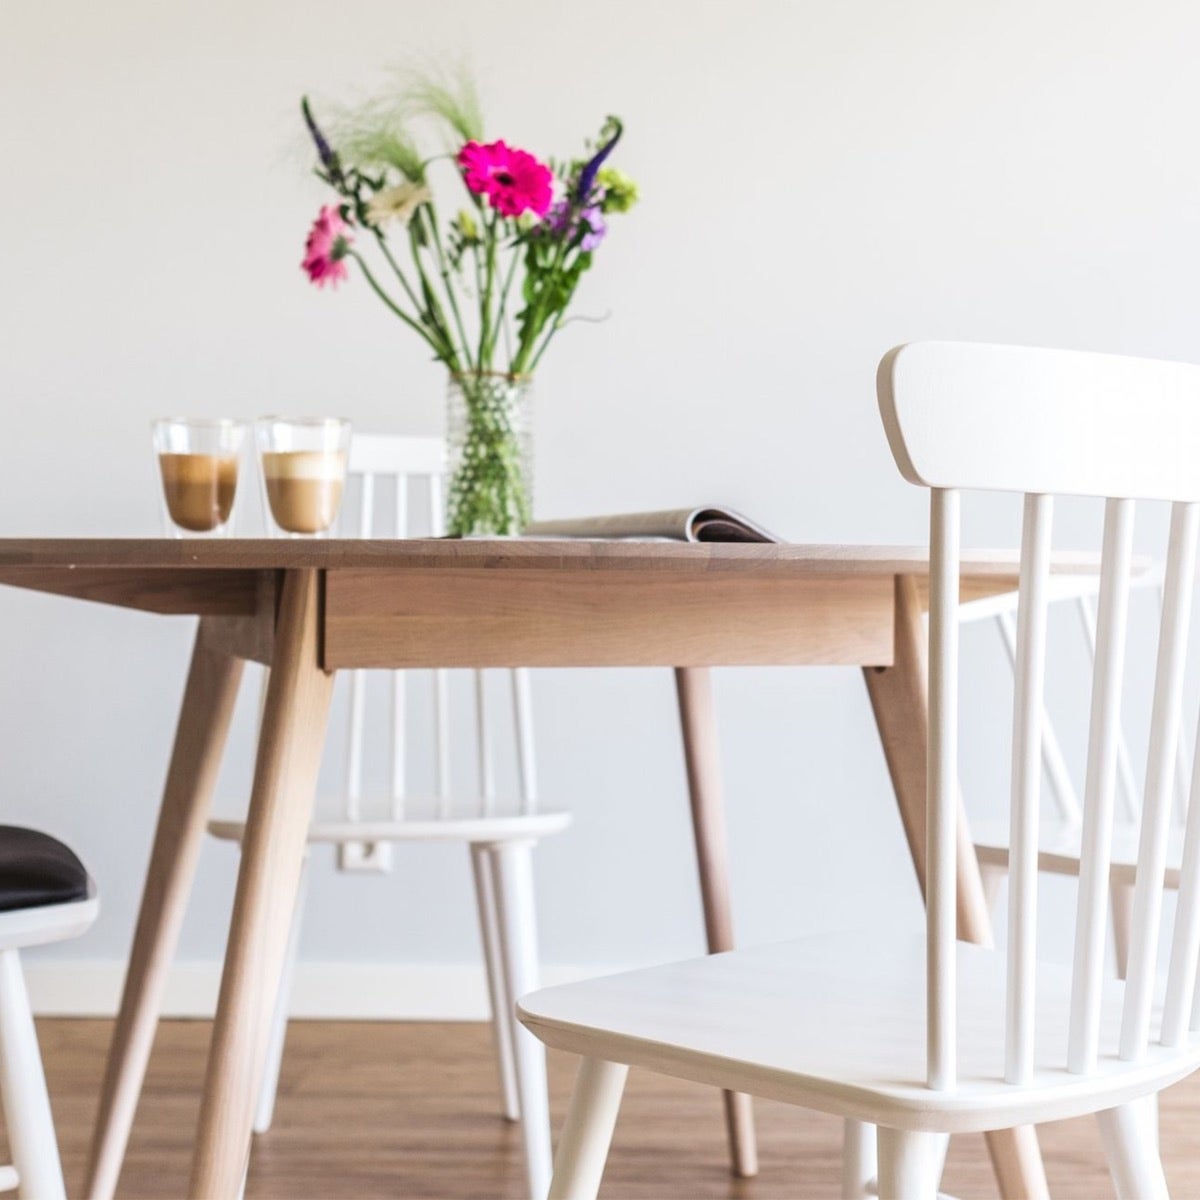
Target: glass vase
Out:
[489,441]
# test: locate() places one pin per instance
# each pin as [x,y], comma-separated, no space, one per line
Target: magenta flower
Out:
[327,246]
[512,180]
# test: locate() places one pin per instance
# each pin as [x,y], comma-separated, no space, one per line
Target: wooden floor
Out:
[410,1110]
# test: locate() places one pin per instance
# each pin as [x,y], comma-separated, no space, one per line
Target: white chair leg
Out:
[23,1090]
[858,1160]
[502,1018]
[512,875]
[1151,1120]
[940,1150]
[587,1134]
[264,1112]
[909,1164]
[1132,1153]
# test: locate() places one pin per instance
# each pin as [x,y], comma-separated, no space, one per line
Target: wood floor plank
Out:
[375,1110]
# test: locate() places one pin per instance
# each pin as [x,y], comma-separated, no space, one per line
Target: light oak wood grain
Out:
[208,702]
[698,719]
[290,743]
[503,554]
[251,636]
[459,618]
[221,591]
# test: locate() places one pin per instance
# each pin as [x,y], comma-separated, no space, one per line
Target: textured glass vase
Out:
[489,439]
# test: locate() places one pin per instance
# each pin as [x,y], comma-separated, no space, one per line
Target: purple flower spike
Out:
[329,160]
[587,177]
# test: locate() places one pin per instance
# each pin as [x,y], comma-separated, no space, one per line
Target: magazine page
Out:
[707,524]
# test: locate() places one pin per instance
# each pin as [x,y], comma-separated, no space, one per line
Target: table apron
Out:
[490,618]
[177,591]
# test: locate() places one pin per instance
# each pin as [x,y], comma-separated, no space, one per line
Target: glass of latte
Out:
[198,462]
[303,472]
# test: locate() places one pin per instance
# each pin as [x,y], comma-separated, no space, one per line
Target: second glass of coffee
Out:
[303,471]
[198,462]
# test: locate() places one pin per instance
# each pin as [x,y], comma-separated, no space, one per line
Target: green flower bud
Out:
[620,192]
[467,227]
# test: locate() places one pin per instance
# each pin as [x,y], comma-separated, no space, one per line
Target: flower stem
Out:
[478,283]
[383,246]
[378,290]
[537,358]
[505,288]
[521,364]
[444,270]
[485,303]
[432,309]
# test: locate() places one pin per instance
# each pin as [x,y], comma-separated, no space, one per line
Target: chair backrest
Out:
[1128,791]
[1080,592]
[417,464]
[1043,422]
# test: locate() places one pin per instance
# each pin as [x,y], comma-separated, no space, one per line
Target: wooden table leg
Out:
[699,720]
[289,752]
[900,703]
[208,701]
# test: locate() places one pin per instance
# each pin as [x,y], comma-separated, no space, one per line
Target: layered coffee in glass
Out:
[303,463]
[198,463]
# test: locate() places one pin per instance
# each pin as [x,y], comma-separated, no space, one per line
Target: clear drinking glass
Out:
[303,472]
[198,461]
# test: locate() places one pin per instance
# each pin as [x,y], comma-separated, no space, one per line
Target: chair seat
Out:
[837,1024]
[1059,848]
[36,870]
[331,826]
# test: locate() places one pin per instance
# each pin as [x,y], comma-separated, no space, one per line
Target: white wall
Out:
[821,180]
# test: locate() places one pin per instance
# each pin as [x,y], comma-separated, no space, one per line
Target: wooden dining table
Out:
[309,608]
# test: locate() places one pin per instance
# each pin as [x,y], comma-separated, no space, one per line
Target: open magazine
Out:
[707,524]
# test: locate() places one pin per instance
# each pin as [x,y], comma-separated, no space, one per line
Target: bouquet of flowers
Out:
[486,289]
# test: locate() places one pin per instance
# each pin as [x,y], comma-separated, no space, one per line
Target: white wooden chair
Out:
[46,896]
[927,1039]
[500,833]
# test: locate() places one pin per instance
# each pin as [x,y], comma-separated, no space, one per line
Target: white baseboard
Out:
[322,990]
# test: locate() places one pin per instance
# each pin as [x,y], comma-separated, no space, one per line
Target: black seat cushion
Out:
[36,869]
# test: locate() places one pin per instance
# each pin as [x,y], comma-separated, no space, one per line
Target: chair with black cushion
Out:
[46,896]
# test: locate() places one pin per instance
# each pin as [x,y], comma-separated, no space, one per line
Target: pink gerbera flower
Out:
[327,246]
[513,180]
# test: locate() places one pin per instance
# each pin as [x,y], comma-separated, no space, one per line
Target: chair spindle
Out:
[942,795]
[1181,1006]
[1053,760]
[1026,788]
[1128,790]
[1160,776]
[522,707]
[1091,916]
[483,745]
[399,744]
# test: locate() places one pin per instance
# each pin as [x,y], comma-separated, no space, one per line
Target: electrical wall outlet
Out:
[368,857]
